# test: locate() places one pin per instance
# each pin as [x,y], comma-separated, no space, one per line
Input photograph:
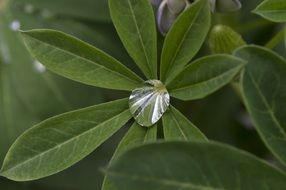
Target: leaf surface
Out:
[61,141]
[274,10]
[184,39]
[205,76]
[135,23]
[79,61]
[193,166]
[177,127]
[135,136]
[263,86]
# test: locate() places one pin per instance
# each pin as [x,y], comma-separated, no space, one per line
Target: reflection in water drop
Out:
[29,8]
[15,25]
[39,67]
[148,103]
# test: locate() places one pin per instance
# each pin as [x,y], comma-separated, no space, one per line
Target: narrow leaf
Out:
[76,60]
[263,87]
[205,76]
[193,166]
[178,127]
[274,10]
[184,39]
[61,141]
[135,23]
[135,136]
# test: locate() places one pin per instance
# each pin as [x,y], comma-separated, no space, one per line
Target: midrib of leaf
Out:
[178,126]
[58,146]
[165,182]
[271,11]
[266,104]
[180,44]
[206,81]
[140,38]
[87,60]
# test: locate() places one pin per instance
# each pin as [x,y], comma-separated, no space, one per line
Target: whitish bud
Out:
[227,5]
[165,18]
[176,6]
[155,3]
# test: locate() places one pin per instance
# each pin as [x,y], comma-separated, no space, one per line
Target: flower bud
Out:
[176,6]
[227,5]
[156,3]
[224,40]
[169,10]
[165,18]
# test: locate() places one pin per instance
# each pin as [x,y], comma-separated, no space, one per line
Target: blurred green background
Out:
[29,93]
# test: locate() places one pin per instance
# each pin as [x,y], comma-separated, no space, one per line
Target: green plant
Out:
[59,142]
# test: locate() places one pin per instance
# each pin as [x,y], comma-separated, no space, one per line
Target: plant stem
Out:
[273,42]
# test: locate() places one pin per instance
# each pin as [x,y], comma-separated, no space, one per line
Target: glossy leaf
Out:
[135,23]
[148,103]
[274,10]
[263,87]
[76,60]
[184,39]
[178,127]
[135,136]
[193,166]
[61,141]
[205,76]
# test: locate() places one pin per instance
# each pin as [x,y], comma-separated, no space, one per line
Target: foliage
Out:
[177,66]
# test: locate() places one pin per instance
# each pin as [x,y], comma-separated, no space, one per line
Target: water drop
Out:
[39,67]
[149,102]
[15,25]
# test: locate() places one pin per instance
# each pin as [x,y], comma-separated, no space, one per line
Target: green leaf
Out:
[274,10]
[184,39]
[76,60]
[135,136]
[263,87]
[193,166]
[177,127]
[61,141]
[135,23]
[205,76]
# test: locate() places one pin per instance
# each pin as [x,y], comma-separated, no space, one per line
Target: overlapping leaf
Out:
[61,141]
[76,60]
[274,10]
[205,76]
[178,127]
[135,136]
[263,86]
[189,166]
[184,39]
[136,27]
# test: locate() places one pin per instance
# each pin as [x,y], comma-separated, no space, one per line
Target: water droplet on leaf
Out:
[149,102]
